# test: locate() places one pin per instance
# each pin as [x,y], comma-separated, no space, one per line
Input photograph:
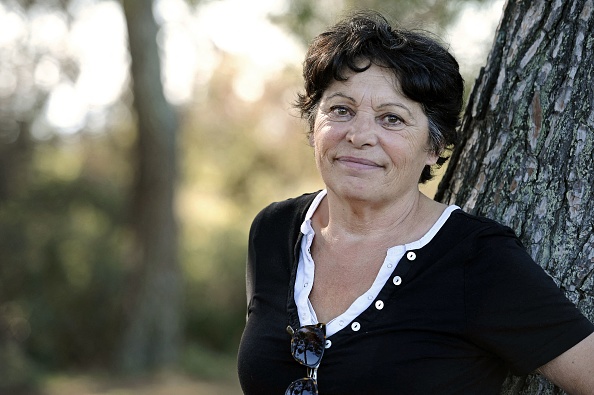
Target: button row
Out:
[355,326]
[379,304]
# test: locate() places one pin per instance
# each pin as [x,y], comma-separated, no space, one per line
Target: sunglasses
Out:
[307,346]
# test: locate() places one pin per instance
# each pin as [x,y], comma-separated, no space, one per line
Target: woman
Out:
[383,290]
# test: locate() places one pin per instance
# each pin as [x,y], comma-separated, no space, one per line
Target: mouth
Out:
[355,162]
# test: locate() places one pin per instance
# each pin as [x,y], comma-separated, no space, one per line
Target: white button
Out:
[390,265]
[411,256]
[397,280]
[379,305]
[328,343]
[305,285]
[355,326]
[341,323]
[370,297]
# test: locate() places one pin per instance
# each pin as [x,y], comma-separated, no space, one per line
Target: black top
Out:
[470,306]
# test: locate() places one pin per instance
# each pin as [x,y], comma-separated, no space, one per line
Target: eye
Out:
[340,113]
[392,120]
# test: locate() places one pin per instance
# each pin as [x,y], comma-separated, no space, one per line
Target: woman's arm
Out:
[573,370]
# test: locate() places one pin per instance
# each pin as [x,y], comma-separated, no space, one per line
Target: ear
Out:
[432,158]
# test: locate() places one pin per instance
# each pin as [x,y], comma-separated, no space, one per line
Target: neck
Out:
[396,222]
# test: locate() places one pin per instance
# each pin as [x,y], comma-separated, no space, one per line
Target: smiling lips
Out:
[360,163]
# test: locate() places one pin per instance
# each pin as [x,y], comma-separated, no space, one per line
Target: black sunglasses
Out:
[307,346]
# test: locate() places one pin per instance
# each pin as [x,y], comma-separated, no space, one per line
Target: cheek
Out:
[405,154]
[324,134]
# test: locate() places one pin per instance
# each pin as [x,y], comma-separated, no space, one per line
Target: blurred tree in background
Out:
[152,333]
[77,289]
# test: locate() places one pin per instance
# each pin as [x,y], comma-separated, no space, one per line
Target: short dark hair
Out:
[427,72]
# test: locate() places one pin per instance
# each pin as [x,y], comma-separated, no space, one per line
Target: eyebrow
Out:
[340,94]
[400,105]
[390,104]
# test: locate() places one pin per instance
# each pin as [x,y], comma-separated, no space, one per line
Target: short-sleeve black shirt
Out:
[471,306]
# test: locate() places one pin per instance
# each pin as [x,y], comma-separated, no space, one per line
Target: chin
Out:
[356,192]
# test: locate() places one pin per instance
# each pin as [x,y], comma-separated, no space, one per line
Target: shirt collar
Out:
[306,227]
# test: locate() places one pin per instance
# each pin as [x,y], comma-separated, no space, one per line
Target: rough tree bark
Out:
[527,158]
[153,331]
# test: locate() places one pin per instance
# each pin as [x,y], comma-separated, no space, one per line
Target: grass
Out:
[202,372]
[164,384]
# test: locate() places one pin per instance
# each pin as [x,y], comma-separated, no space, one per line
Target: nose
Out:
[362,130]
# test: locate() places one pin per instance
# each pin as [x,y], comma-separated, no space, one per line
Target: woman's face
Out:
[371,142]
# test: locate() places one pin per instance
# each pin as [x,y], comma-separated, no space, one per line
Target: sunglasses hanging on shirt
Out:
[307,347]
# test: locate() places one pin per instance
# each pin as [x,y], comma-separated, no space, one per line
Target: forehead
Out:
[376,83]
[375,76]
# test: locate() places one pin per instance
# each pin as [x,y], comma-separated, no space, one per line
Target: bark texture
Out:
[153,331]
[527,156]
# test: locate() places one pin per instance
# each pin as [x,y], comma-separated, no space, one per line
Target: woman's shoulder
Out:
[474,222]
[288,210]
[465,231]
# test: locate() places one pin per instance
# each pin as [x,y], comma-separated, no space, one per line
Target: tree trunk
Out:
[527,156]
[153,332]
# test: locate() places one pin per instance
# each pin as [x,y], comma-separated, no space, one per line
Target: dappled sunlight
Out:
[206,208]
[64,163]
[48,31]
[14,26]
[47,72]
[471,35]
[66,108]
[102,53]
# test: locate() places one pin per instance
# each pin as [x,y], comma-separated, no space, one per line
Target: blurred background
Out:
[130,173]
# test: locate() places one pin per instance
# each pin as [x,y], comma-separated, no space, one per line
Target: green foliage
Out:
[204,363]
[307,18]
[215,291]
[60,278]
[60,245]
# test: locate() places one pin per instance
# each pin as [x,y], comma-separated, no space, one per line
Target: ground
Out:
[167,384]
